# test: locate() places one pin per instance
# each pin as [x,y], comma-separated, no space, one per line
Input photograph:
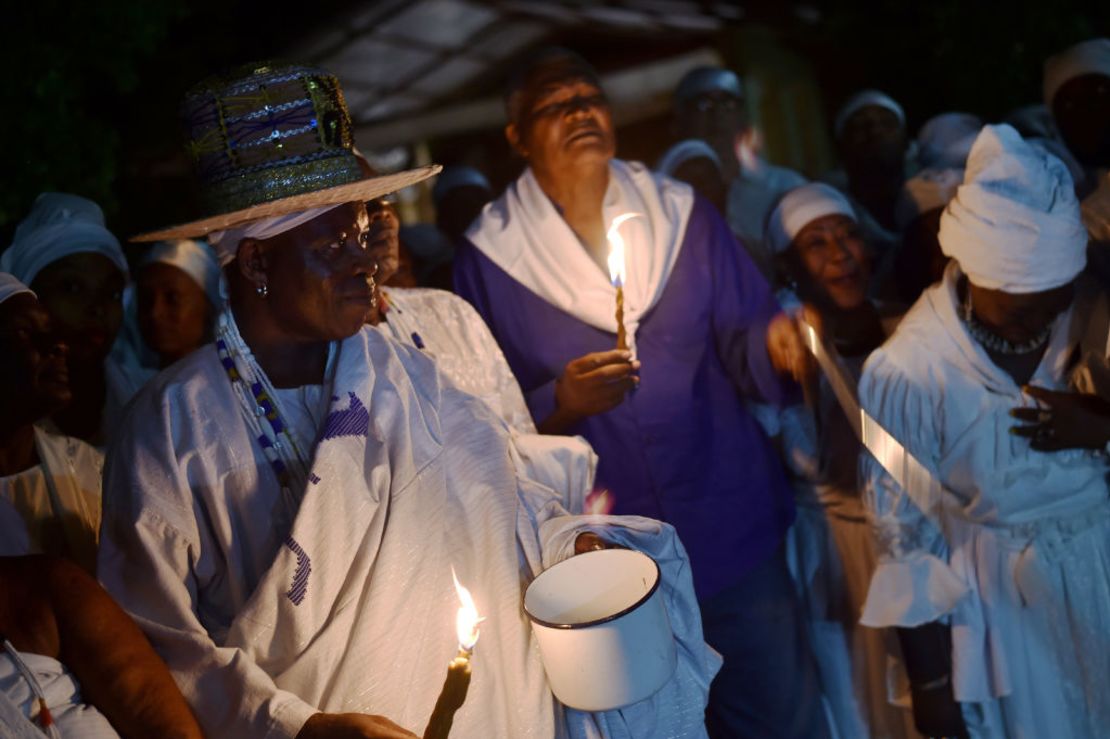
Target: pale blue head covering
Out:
[59,225]
[705,80]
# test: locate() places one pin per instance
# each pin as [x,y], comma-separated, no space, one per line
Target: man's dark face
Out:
[716,118]
[1082,112]
[566,124]
[33,372]
[319,274]
[873,140]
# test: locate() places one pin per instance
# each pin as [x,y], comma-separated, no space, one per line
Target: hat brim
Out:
[352,192]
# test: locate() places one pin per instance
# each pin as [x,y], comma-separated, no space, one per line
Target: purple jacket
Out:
[682,447]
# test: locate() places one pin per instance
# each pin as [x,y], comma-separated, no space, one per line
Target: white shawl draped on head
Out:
[357,611]
[523,233]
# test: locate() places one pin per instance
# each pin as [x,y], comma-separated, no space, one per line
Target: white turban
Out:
[194,258]
[925,191]
[1088,57]
[862,100]
[800,207]
[683,152]
[10,287]
[945,140]
[1014,224]
[226,243]
[59,225]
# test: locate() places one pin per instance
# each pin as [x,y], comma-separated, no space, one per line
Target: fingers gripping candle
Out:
[457,682]
[617,273]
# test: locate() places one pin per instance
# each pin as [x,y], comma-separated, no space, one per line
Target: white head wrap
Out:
[800,207]
[945,140]
[1088,57]
[1014,224]
[226,243]
[59,225]
[862,100]
[683,152]
[10,287]
[925,191]
[194,258]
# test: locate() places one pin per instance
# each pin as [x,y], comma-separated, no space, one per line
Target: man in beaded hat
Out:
[286,505]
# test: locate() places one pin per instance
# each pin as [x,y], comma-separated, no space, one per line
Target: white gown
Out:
[267,609]
[1016,553]
[450,331]
[58,500]
[831,554]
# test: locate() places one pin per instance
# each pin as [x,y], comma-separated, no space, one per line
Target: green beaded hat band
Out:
[273,139]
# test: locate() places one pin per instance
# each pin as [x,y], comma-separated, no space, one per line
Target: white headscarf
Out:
[10,287]
[926,190]
[800,207]
[194,258]
[226,243]
[1092,56]
[945,140]
[683,152]
[863,99]
[1014,224]
[59,225]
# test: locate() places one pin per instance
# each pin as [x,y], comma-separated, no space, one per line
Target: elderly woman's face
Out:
[83,293]
[567,124]
[319,274]
[34,371]
[834,261]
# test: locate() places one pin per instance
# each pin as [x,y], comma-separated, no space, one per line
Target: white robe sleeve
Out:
[512,408]
[913,583]
[148,555]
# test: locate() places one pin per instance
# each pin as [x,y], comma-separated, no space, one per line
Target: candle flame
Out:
[467,620]
[616,249]
[599,502]
[748,146]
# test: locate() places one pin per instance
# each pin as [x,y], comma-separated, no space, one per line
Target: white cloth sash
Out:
[523,234]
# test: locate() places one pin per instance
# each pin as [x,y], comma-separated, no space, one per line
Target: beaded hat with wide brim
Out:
[273,139]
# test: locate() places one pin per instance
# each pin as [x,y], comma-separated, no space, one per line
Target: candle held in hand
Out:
[616,272]
[457,683]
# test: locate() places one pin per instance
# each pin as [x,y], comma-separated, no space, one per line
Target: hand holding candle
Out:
[455,686]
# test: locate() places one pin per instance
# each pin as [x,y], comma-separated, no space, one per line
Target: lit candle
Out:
[616,272]
[455,686]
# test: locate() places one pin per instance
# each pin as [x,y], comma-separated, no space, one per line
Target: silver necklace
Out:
[992,342]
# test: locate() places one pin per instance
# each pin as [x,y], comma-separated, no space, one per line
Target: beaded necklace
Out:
[260,409]
[993,342]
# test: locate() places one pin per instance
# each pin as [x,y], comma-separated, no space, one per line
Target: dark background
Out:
[91,88]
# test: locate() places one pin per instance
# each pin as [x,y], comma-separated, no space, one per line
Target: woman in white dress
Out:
[817,243]
[995,563]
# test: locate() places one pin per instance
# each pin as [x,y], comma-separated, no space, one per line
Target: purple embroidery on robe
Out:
[299,588]
[352,421]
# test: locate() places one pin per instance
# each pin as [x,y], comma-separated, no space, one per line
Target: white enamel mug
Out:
[602,628]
